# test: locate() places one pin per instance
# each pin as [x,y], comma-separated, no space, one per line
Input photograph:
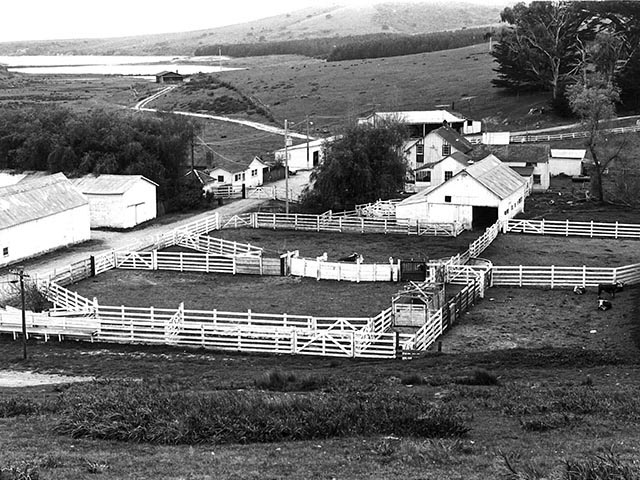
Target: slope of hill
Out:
[321,21]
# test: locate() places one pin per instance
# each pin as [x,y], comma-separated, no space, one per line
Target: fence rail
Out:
[565,136]
[552,276]
[219,246]
[353,272]
[567,228]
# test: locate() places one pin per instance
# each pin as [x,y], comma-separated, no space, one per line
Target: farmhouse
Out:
[435,146]
[169,77]
[201,177]
[304,156]
[568,161]
[41,215]
[435,173]
[420,123]
[237,173]
[530,161]
[118,201]
[477,196]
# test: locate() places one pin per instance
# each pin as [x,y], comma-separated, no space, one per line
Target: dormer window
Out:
[446,149]
[419,153]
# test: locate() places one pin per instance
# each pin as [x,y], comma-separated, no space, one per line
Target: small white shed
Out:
[304,156]
[477,196]
[238,173]
[40,215]
[569,161]
[118,201]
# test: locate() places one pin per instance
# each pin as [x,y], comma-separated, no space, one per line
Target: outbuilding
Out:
[169,77]
[119,201]
[568,161]
[237,173]
[40,215]
[304,156]
[477,196]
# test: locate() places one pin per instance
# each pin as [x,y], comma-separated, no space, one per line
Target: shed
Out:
[118,201]
[304,156]
[568,161]
[528,160]
[477,196]
[40,215]
[169,77]
[238,172]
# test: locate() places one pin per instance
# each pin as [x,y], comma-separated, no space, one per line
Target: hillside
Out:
[321,21]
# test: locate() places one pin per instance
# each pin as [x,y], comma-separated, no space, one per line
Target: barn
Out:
[118,201]
[169,77]
[477,196]
[304,156]
[568,161]
[40,215]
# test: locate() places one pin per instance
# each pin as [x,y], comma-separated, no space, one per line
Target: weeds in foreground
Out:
[602,467]
[21,471]
[148,412]
[479,377]
[280,381]
[420,453]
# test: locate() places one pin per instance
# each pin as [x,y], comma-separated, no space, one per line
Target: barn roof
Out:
[454,139]
[516,153]
[318,142]
[571,153]
[234,166]
[200,176]
[457,156]
[499,178]
[38,198]
[106,184]
[166,73]
[11,177]
[434,117]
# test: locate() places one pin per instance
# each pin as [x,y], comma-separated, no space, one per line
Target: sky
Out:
[65,19]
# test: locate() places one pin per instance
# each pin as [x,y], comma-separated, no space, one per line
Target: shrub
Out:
[413,379]
[546,422]
[22,471]
[279,381]
[150,412]
[479,377]
[602,467]
[13,407]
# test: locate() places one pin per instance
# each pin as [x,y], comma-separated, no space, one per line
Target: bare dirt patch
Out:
[13,378]
[515,249]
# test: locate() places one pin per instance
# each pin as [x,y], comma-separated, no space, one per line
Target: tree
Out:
[594,103]
[364,164]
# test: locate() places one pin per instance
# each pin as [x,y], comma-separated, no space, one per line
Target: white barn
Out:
[298,158]
[118,201]
[41,215]
[478,196]
[568,161]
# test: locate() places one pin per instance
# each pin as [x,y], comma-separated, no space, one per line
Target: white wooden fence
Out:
[47,325]
[353,272]
[569,135]
[555,276]
[218,246]
[569,229]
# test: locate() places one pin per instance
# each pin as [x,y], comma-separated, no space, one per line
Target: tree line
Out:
[550,46]
[55,139]
[357,46]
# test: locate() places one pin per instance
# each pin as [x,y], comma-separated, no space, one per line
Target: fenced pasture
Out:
[266,294]
[530,318]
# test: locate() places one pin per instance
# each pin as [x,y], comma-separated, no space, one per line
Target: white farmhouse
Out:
[477,196]
[118,201]
[435,146]
[41,215]
[238,173]
[304,156]
[435,173]
[568,161]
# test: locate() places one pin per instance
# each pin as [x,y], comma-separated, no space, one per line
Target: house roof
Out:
[571,153]
[318,142]
[106,184]
[167,72]
[516,153]
[523,171]
[457,156]
[200,176]
[435,117]
[454,139]
[38,198]
[11,177]
[234,166]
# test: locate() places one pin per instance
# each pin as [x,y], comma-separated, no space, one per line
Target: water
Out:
[146,66]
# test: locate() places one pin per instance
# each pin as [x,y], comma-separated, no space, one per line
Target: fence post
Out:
[552,273]
[584,275]
[616,232]
[154,259]
[566,228]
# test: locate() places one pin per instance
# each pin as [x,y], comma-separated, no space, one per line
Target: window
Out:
[243,176]
[221,178]
[316,158]
[5,251]
[447,175]
[237,177]
[424,176]
[506,212]
[419,153]
[447,198]
[469,123]
[446,149]
[536,180]
[254,173]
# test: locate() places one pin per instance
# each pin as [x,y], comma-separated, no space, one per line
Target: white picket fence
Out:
[568,228]
[218,246]
[554,276]
[48,325]
[570,135]
[352,272]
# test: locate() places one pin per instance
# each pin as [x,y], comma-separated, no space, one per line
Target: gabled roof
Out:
[572,153]
[106,184]
[200,176]
[459,157]
[499,178]
[517,153]
[433,117]
[11,177]
[454,139]
[523,171]
[167,72]
[38,198]
[230,165]
[318,142]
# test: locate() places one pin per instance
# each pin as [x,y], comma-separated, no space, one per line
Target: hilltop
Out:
[313,22]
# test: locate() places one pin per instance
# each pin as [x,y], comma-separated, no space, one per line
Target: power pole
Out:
[307,141]
[220,58]
[286,167]
[20,273]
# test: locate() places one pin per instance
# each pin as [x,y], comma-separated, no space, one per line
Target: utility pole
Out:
[286,167]
[220,58]
[307,141]
[20,273]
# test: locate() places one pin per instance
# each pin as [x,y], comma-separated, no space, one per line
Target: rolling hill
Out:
[313,22]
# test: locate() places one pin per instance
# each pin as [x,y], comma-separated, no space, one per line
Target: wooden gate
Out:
[413,270]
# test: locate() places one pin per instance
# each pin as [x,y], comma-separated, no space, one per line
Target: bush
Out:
[22,471]
[413,379]
[603,467]
[151,412]
[546,422]
[479,377]
[277,380]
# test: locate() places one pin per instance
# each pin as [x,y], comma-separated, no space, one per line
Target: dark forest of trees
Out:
[356,47]
[54,139]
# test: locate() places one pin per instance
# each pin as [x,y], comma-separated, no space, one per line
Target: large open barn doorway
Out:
[484,216]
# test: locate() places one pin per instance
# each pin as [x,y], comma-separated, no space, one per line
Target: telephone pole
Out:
[307,141]
[286,166]
[20,273]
